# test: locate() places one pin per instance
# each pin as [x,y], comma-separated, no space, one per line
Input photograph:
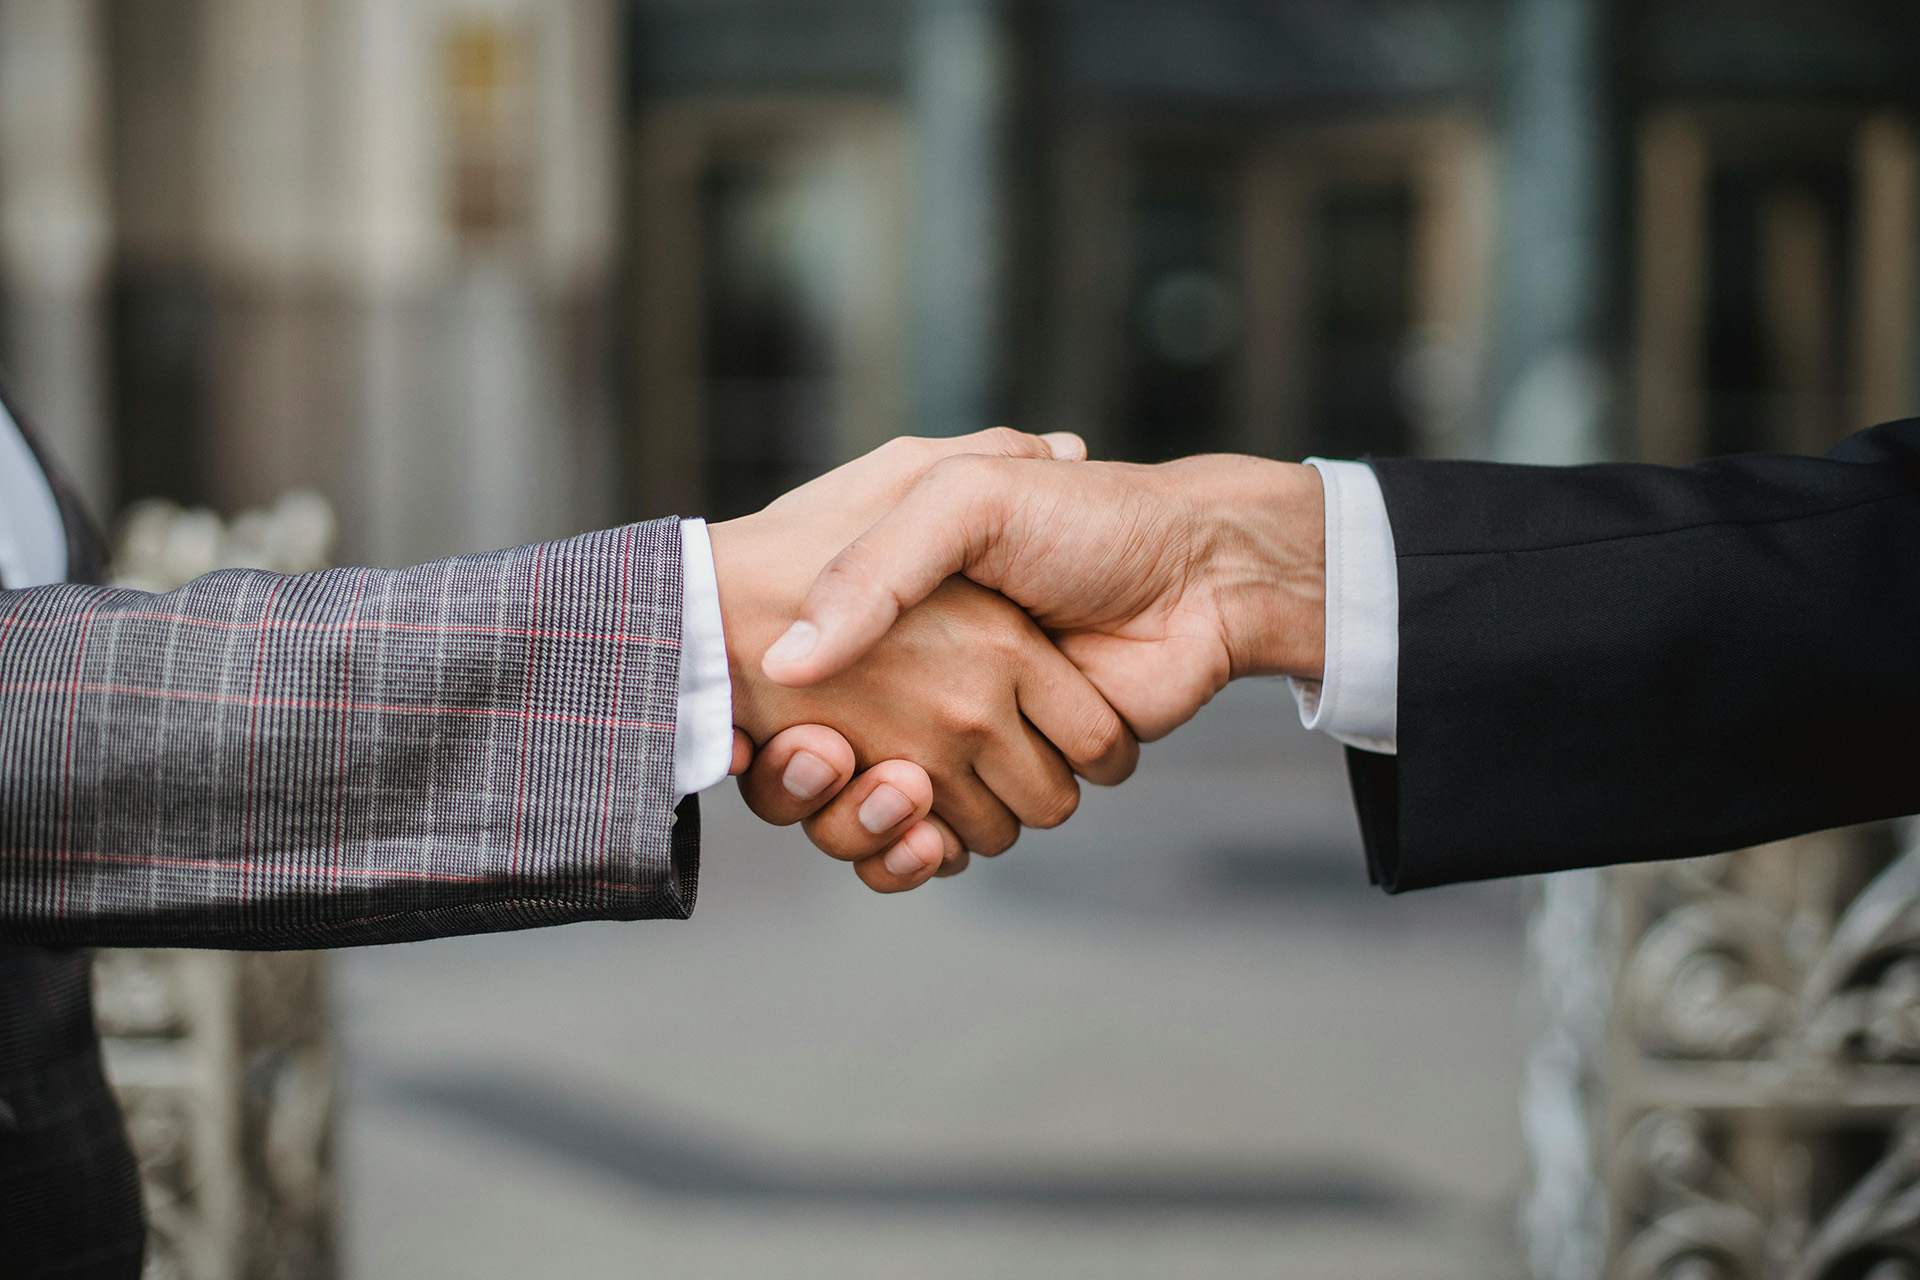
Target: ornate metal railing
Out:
[1726,1080]
[221,1060]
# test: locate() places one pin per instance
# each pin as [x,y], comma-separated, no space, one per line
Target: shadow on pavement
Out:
[671,1159]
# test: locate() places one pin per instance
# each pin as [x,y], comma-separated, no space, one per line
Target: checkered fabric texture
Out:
[356,756]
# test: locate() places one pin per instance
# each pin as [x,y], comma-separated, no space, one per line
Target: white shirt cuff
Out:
[1357,698]
[33,537]
[703,731]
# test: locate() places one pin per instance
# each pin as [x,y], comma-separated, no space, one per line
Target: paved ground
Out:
[1179,1038]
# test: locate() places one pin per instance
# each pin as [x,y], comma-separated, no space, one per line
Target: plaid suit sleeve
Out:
[349,757]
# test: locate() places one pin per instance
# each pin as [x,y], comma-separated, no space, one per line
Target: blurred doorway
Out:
[1309,288]
[1185,335]
[769,287]
[1775,301]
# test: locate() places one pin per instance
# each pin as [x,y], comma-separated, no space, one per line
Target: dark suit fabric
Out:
[1621,663]
[70,1203]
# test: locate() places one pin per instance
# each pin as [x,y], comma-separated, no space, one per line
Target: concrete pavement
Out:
[1179,1037]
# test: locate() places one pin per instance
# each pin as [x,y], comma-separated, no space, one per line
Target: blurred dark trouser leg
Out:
[70,1204]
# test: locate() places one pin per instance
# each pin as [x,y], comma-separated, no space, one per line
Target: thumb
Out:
[1066,446]
[944,525]
[1005,442]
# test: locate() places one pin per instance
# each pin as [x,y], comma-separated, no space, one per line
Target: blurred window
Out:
[1311,287]
[1777,250]
[161,304]
[1775,308]
[769,288]
[1360,327]
[490,112]
[159,321]
[769,398]
[1186,308]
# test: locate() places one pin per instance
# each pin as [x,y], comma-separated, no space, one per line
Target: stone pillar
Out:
[1551,361]
[466,193]
[1886,280]
[956,85]
[1550,392]
[222,1062]
[266,430]
[54,229]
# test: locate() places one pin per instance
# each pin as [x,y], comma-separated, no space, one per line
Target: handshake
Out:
[930,646]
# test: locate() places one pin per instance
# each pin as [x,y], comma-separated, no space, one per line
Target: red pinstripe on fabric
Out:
[421,628]
[340,745]
[619,687]
[253,731]
[526,706]
[20,599]
[323,704]
[66,757]
[317,870]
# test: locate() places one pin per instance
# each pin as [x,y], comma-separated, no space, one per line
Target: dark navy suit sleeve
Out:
[1620,663]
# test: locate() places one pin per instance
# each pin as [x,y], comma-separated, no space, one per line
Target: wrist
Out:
[755,604]
[1266,565]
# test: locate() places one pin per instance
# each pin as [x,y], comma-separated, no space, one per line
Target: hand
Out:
[1161,583]
[802,776]
[966,686]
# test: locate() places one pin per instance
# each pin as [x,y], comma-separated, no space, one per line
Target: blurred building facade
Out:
[364,247]
[490,270]
[485,271]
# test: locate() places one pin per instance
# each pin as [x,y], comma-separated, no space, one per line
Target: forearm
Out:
[1612,664]
[355,756]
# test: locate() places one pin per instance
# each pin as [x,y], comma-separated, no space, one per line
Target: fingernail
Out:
[884,810]
[807,775]
[796,644]
[903,861]
[1065,445]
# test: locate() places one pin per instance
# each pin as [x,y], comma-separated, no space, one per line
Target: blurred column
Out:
[265,432]
[466,183]
[1670,295]
[54,237]
[1550,365]
[1550,393]
[381,244]
[957,80]
[1887,162]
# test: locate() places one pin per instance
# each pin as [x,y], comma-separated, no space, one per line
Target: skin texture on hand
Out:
[802,775]
[1161,583]
[965,687]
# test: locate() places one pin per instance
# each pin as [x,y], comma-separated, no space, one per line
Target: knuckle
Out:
[1101,739]
[853,569]
[770,809]
[834,842]
[957,487]
[969,717]
[1056,806]
[1120,767]
[878,880]
[998,640]
[963,471]
[997,839]
[1005,440]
